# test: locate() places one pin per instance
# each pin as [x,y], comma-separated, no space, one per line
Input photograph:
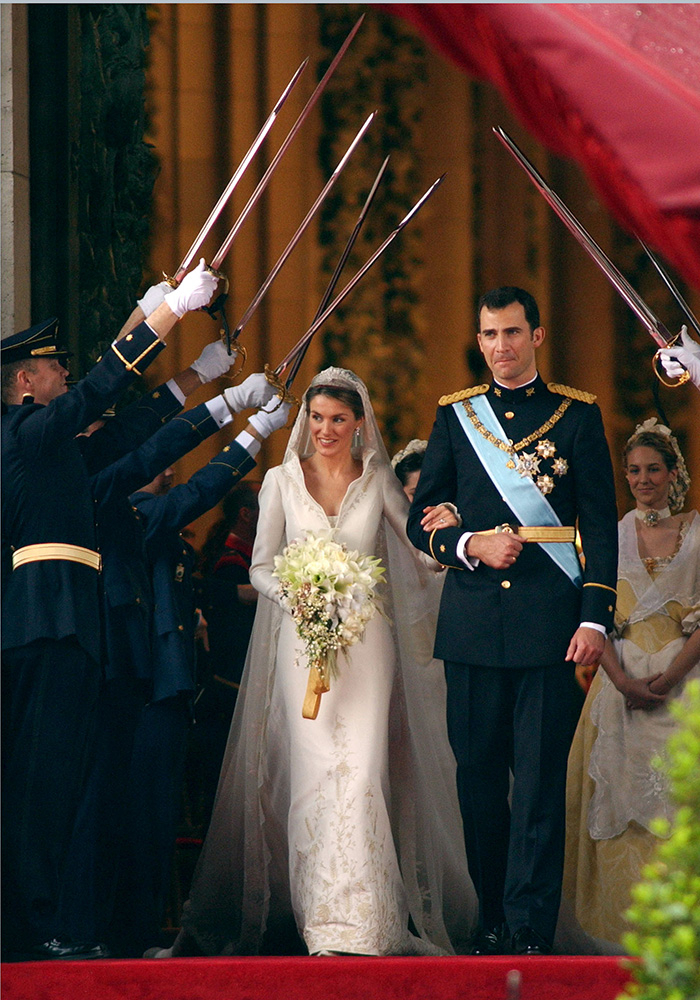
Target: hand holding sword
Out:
[652,324]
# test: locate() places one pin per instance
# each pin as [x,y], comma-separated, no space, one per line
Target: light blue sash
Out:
[529,505]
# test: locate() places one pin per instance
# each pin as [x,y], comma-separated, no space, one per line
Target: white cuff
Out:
[469,561]
[219,410]
[250,443]
[176,391]
[595,625]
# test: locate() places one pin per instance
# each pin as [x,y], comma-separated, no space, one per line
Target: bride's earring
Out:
[356,438]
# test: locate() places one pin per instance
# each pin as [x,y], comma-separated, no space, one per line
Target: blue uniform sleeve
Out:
[185,503]
[140,466]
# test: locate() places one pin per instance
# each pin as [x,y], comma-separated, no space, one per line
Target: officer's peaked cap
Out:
[39,341]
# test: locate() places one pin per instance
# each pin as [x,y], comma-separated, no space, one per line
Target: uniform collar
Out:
[514,396]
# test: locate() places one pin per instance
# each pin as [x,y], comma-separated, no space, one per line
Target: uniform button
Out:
[181,628]
[505,584]
[610,607]
[138,600]
[509,415]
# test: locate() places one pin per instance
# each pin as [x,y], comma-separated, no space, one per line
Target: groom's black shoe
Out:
[493,941]
[526,941]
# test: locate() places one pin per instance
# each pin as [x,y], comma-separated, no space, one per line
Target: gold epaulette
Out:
[566,390]
[456,397]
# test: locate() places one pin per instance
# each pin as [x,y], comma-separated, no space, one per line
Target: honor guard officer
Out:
[50,601]
[157,767]
[89,883]
[524,462]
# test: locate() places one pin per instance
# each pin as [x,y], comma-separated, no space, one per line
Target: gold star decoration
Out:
[545,448]
[545,484]
[560,467]
[528,464]
[530,392]
[497,391]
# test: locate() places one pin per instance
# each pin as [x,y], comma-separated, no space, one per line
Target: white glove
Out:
[684,355]
[213,361]
[271,417]
[153,297]
[194,291]
[252,393]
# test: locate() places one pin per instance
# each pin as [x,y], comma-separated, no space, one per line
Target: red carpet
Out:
[315,979]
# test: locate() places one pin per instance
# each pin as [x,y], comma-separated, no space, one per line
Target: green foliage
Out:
[666,904]
[375,332]
[115,168]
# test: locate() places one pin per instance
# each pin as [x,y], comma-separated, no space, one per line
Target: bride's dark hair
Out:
[350,397]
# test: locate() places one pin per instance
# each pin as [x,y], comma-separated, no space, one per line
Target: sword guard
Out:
[240,350]
[657,368]
[171,281]
[286,396]
[218,274]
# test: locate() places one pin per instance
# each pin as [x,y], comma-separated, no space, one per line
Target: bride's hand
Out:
[438,517]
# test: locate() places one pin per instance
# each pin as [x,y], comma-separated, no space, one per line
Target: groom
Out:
[518,610]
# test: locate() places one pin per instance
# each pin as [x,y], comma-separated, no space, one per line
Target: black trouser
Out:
[90,875]
[49,693]
[153,808]
[521,720]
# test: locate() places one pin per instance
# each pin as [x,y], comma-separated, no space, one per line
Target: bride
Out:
[349,821]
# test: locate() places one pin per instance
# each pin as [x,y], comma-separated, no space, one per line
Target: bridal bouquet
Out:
[330,592]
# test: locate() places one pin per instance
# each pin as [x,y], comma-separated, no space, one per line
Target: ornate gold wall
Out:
[216,71]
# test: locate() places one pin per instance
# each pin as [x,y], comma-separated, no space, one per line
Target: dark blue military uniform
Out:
[159,747]
[87,894]
[504,635]
[51,627]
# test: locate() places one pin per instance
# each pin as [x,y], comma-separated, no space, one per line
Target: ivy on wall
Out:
[376,332]
[115,168]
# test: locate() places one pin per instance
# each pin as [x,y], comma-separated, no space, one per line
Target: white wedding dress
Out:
[350,820]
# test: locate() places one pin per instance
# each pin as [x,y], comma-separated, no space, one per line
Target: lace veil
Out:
[241,886]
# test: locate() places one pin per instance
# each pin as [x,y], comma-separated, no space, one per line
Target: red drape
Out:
[615,87]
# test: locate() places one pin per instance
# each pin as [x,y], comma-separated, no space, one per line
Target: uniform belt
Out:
[539,533]
[56,550]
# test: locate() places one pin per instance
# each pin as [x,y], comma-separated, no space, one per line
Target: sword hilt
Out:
[657,367]
[286,396]
[173,282]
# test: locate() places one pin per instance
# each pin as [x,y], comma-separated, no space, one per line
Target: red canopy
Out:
[615,87]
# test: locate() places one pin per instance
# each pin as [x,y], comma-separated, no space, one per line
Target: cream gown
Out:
[352,818]
[613,791]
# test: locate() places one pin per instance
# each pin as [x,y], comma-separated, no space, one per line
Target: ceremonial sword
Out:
[337,272]
[231,186]
[666,278]
[306,110]
[300,230]
[274,376]
[663,337]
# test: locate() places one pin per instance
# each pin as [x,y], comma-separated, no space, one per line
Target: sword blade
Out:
[303,225]
[670,284]
[240,170]
[338,270]
[636,303]
[306,111]
[353,281]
